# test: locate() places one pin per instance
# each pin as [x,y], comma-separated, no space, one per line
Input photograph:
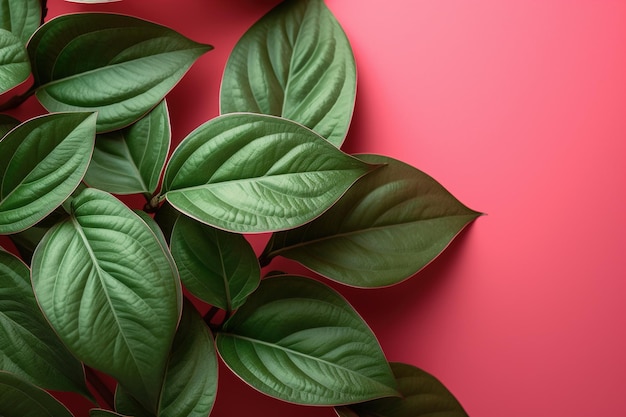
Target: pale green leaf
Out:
[14,64]
[118,65]
[216,266]
[295,62]
[423,395]
[20,17]
[388,226]
[19,398]
[298,340]
[254,173]
[41,162]
[109,290]
[190,385]
[131,160]
[29,348]
[7,123]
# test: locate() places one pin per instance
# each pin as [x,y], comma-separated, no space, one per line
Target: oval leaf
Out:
[254,173]
[129,65]
[105,284]
[191,382]
[388,226]
[295,62]
[41,162]
[20,17]
[423,395]
[131,160]
[19,398]
[29,348]
[14,64]
[216,266]
[298,340]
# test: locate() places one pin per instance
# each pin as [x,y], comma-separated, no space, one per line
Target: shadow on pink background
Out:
[519,109]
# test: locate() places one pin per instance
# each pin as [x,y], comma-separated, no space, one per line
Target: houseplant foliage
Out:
[100,287]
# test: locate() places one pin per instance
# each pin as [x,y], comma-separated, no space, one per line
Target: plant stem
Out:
[101,388]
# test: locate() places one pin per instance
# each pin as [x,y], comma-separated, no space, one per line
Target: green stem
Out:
[101,388]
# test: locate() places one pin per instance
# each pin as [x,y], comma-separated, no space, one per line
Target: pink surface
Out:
[519,109]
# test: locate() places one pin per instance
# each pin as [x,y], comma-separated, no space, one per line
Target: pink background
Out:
[519,109]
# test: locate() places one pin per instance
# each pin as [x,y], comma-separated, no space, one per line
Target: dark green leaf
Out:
[97,412]
[128,65]
[388,226]
[20,17]
[7,123]
[423,395]
[14,64]
[191,382]
[253,173]
[19,398]
[109,290]
[166,217]
[27,240]
[298,340]
[295,62]
[216,266]
[41,162]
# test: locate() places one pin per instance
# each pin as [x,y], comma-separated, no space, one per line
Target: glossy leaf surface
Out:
[118,65]
[41,162]
[109,290]
[20,17]
[216,266]
[255,173]
[298,340]
[388,226]
[131,160]
[295,62]
[191,383]
[19,398]
[423,395]
[14,64]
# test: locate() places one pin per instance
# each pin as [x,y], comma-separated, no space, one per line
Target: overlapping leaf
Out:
[388,226]
[105,284]
[295,62]
[298,340]
[14,63]
[118,65]
[41,162]
[19,398]
[423,395]
[20,17]
[255,173]
[131,160]
[7,123]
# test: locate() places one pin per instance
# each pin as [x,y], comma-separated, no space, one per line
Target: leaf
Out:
[109,290]
[7,123]
[298,340]
[14,64]
[20,17]
[423,395]
[41,162]
[131,160]
[118,65]
[191,383]
[388,226]
[97,412]
[27,240]
[216,266]
[295,62]
[252,173]
[19,398]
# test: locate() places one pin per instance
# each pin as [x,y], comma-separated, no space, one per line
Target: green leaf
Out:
[295,62]
[20,17]
[298,340]
[14,64]
[29,348]
[216,266]
[109,290]
[19,398]
[254,173]
[131,160]
[388,226]
[7,123]
[27,240]
[41,162]
[97,412]
[191,382]
[423,395]
[128,65]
